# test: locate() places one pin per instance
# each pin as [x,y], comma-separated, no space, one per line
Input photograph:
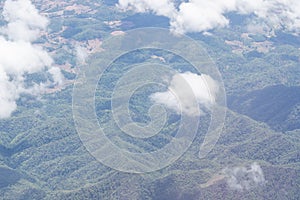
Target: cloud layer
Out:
[203,15]
[18,56]
[203,87]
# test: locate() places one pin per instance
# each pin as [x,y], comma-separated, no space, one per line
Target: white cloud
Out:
[203,87]
[24,20]
[18,56]
[203,15]
[58,78]
[8,94]
[81,54]
[243,178]
[159,7]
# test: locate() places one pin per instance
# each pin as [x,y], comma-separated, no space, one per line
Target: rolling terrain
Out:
[256,157]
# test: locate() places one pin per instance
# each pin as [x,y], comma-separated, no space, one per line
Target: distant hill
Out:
[56,165]
[278,106]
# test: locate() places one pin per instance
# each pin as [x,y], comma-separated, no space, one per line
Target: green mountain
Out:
[256,157]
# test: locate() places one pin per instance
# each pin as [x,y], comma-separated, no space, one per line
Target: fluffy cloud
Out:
[57,76]
[24,20]
[159,7]
[81,54]
[203,15]
[203,87]
[18,56]
[243,178]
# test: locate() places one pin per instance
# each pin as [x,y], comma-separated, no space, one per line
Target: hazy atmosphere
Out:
[150,99]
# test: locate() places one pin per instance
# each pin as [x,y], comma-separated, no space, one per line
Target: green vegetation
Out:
[42,156]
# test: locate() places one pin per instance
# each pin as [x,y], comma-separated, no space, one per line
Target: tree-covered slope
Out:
[48,160]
